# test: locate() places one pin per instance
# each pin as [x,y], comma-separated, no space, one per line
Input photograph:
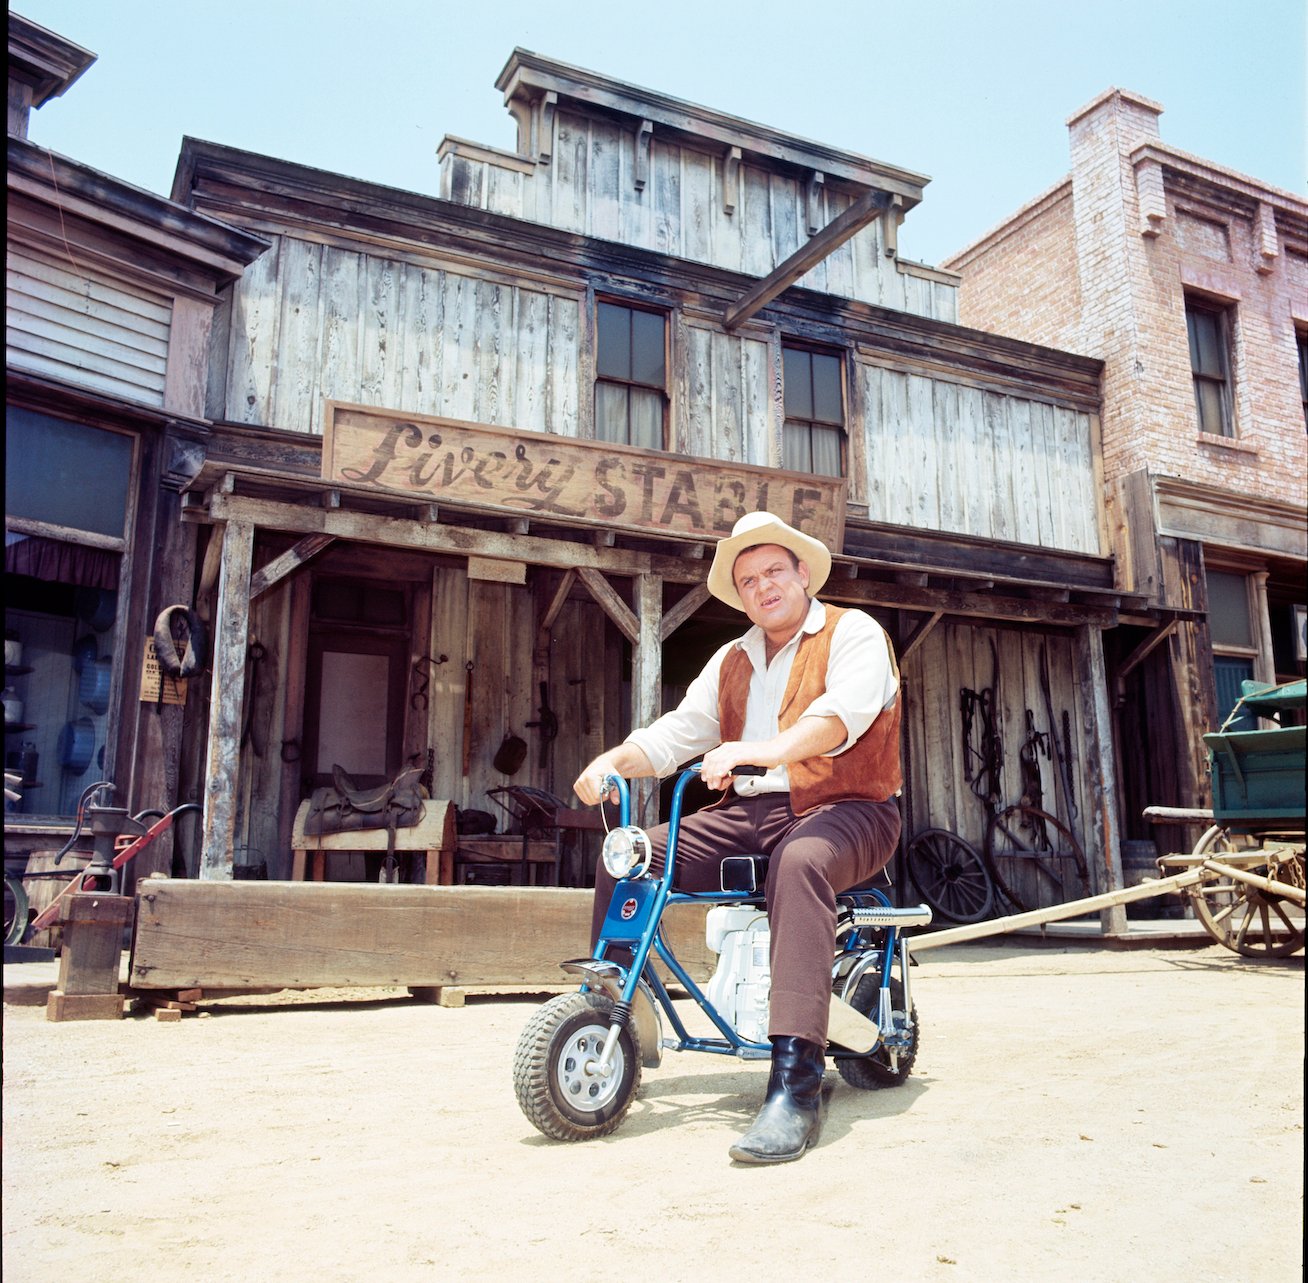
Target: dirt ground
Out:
[1075,1113]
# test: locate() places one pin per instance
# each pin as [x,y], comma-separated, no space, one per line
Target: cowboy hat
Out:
[756,528]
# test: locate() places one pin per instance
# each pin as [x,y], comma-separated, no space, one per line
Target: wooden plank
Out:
[525,473]
[234,935]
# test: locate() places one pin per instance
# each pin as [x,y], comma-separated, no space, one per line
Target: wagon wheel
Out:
[950,876]
[1034,858]
[1246,919]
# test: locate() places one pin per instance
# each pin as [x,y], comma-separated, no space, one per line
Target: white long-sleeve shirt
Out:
[860,683]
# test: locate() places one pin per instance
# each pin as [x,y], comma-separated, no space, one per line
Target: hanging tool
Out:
[547,725]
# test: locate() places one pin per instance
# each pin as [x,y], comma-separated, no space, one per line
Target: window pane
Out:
[647,348]
[1228,674]
[796,450]
[826,451]
[827,405]
[66,473]
[797,370]
[1228,609]
[646,429]
[1206,343]
[613,327]
[611,412]
[1211,405]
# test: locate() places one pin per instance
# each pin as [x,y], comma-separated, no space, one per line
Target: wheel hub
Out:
[582,1079]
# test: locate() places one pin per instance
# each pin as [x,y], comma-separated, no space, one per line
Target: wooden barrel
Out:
[42,891]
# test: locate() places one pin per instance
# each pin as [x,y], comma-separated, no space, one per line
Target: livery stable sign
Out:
[538,474]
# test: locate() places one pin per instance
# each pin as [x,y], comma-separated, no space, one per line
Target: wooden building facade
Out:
[383,524]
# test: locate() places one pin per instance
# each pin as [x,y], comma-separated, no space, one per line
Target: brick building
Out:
[1190,282]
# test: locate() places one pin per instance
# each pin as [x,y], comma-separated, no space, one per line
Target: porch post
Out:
[227,697]
[1105,854]
[647,681]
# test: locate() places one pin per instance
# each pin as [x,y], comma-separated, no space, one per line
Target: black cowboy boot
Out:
[790,1118]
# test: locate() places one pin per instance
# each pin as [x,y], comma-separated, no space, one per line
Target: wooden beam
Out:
[1099,775]
[647,680]
[1142,652]
[846,224]
[401,532]
[213,560]
[289,561]
[227,698]
[919,635]
[612,605]
[683,610]
[558,601]
[241,935]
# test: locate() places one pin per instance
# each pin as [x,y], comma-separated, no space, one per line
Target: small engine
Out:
[739,989]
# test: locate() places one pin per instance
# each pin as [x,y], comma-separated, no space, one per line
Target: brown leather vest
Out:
[868,770]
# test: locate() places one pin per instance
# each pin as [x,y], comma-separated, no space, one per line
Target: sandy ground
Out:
[1075,1114]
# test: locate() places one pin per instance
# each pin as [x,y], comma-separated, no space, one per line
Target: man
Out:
[812,693]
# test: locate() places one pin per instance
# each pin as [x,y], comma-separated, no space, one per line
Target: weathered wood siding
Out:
[589,186]
[948,457]
[312,322]
[91,329]
[960,656]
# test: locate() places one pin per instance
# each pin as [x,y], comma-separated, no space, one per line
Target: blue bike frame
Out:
[634,921]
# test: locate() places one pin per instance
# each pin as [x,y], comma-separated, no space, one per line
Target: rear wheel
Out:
[877,1069]
[1246,919]
[556,1071]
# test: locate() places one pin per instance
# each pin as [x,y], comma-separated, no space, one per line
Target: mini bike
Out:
[578,1062]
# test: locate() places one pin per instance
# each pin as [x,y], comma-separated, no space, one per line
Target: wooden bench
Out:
[433,835]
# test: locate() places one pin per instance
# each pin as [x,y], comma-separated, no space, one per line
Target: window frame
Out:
[790,422]
[1222,313]
[611,380]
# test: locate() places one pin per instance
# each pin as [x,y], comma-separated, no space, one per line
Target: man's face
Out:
[773,588]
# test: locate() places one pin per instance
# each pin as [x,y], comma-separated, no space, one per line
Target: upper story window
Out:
[1301,339]
[813,439]
[1209,329]
[631,376]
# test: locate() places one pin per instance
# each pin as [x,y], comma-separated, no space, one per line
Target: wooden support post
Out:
[1105,855]
[88,966]
[231,640]
[647,680]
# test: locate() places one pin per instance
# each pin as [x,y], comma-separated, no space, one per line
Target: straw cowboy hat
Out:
[756,528]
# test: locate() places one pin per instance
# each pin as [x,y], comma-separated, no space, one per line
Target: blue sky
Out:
[974,94]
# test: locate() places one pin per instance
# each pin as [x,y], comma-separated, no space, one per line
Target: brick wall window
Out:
[1301,339]
[813,439]
[631,376]
[1209,329]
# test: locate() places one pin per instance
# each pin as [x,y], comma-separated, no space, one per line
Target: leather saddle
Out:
[344,806]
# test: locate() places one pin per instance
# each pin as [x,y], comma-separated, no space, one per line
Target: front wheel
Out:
[877,1068]
[555,1070]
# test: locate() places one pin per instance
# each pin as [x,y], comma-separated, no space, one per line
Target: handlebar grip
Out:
[749,770]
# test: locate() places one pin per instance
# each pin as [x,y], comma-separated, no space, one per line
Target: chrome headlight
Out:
[626,852]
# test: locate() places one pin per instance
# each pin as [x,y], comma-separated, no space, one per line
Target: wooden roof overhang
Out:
[878,567]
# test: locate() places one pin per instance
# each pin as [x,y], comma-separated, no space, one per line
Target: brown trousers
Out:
[812,857]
